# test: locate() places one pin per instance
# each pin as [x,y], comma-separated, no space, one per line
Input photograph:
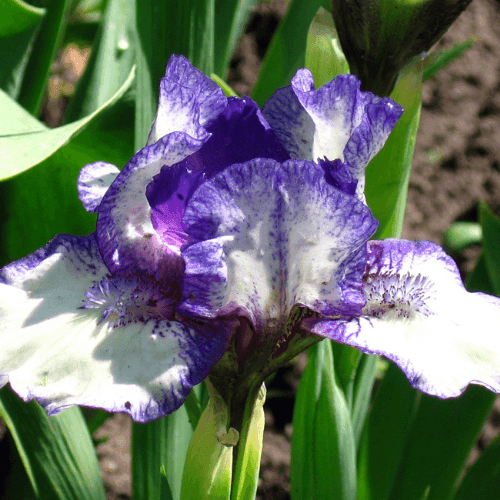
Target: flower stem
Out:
[249,450]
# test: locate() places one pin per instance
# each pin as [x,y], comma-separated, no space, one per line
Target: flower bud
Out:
[379,37]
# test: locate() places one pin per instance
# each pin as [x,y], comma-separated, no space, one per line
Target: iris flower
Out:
[233,239]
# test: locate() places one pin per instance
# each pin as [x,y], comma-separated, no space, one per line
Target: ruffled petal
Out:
[127,238]
[188,101]
[266,236]
[72,334]
[238,134]
[419,315]
[93,182]
[337,121]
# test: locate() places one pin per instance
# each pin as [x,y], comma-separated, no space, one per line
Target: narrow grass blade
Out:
[439,59]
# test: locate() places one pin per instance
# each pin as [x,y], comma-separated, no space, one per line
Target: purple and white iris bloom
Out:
[213,237]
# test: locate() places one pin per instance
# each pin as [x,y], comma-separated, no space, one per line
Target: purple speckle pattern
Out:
[93,182]
[71,333]
[335,122]
[188,101]
[290,239]
[419,315]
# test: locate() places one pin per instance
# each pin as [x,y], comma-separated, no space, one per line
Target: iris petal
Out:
[266,236]
[127,238]
[188,101]
[93,182]
[336,122]
[419,315]
[61,346]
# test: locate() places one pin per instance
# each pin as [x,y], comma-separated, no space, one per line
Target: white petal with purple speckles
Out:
[188,101]
[93,182]
[419,315]
[117,352]
[337,121]
[127,238]
[269,236]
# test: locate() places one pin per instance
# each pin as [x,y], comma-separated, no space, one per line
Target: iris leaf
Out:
[57,453]
[490,226]
[286,53]
[322,428]
[44,50]
[483,479]
[161,443]
[443,434]
[439,59]
[110,63]
[388,174]
[229,24]
[385,434]
[22,150]
[19,26]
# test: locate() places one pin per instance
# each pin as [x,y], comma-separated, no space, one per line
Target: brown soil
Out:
[457,163]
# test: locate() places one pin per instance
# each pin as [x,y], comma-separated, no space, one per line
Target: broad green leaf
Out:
[388,174]
[460,235]
[385,434]
[23,150]
[43,54]
[19,26]
[323,446]
[18,17]
[482,481]
[443,433]
[112,59]
[491,244]
[439,59]
[287,51]
[57,451]
[230,20]
[324,56]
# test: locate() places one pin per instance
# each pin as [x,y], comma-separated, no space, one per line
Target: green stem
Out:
[249,450]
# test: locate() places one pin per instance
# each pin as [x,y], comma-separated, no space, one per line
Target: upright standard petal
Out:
[266,236]
[419,315]
[188,101]
[73,334]
[337,121]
